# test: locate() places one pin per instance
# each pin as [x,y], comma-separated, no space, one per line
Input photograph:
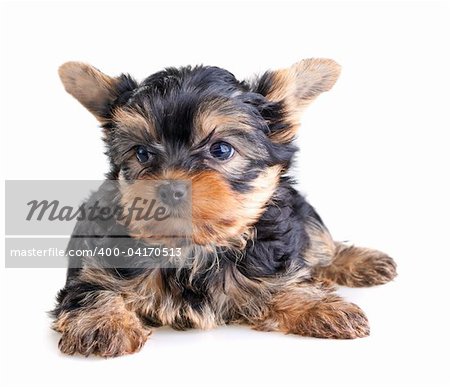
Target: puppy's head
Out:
[198,135]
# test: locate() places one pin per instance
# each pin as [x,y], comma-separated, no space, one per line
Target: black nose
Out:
[172,192]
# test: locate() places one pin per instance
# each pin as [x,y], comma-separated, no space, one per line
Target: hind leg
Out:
[344,264]
[357,266]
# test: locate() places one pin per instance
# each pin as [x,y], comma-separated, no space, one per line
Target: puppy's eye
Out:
[221,150]
[142,154]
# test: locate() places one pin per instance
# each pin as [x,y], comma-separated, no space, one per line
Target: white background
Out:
[374,162]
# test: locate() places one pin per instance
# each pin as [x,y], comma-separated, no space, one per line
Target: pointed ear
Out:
[294,89]
[93,89]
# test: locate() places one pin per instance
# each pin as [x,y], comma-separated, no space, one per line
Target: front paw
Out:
[334,319]
[106,336]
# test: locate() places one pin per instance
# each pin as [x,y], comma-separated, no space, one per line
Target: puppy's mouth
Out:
[201,207]
[157,209]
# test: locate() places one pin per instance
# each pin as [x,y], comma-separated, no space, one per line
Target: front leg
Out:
[97,322]
[315,311]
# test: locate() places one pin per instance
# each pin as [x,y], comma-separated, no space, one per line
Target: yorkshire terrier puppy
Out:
[257,252]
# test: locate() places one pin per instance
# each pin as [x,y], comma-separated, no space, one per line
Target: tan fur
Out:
[105,328]
[292,304]
[93,89]
[312,310]
[228,214]
[156,229]
[219,115]
[131,120]
[234,297]
[146,296]
[219,118]
[218,214]
[356,266]
[297,86]
[321,249]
